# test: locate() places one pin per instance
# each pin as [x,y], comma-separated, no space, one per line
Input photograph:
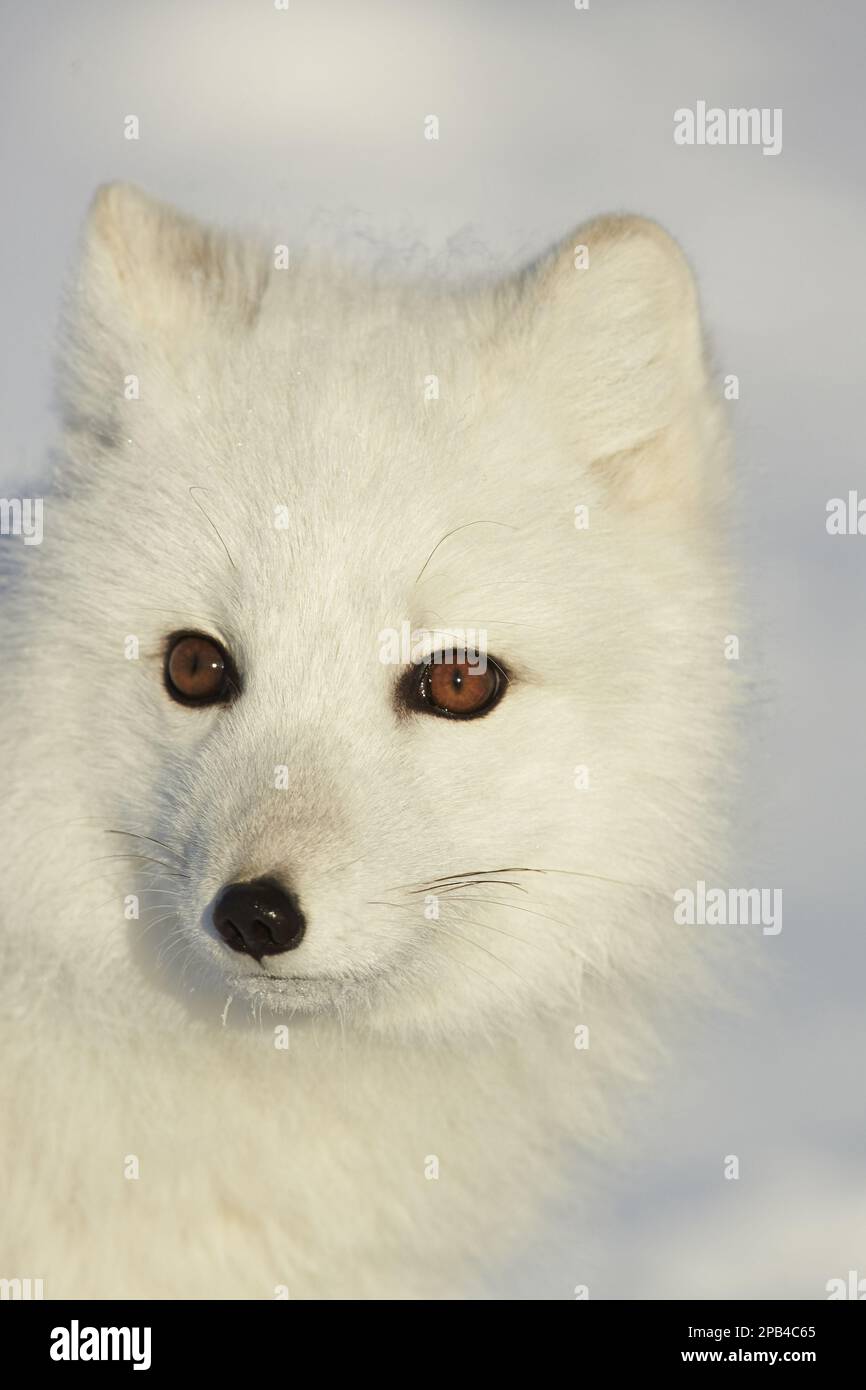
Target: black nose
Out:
[259,918]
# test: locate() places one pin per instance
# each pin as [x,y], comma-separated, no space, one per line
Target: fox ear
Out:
[617,350]
[149,281]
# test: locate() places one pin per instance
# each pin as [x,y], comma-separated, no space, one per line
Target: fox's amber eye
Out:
[460,688]
[198,671]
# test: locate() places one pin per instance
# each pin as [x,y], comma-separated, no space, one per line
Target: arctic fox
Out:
[322,963]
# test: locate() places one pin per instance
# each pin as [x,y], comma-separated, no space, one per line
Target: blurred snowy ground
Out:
[312,119]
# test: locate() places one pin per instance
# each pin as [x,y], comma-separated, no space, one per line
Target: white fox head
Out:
[278,477]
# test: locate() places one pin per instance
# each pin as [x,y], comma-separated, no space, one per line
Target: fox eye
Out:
[459,688]
[198,671]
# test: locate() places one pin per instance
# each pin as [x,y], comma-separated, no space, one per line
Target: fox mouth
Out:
[294,997]
[293,979]
[286,979]
[320,990]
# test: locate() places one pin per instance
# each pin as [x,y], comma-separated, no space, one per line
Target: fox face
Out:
[393,620]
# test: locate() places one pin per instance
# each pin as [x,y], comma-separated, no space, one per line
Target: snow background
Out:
[313,119]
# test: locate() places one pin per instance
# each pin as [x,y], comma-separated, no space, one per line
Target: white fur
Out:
[261,1167]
